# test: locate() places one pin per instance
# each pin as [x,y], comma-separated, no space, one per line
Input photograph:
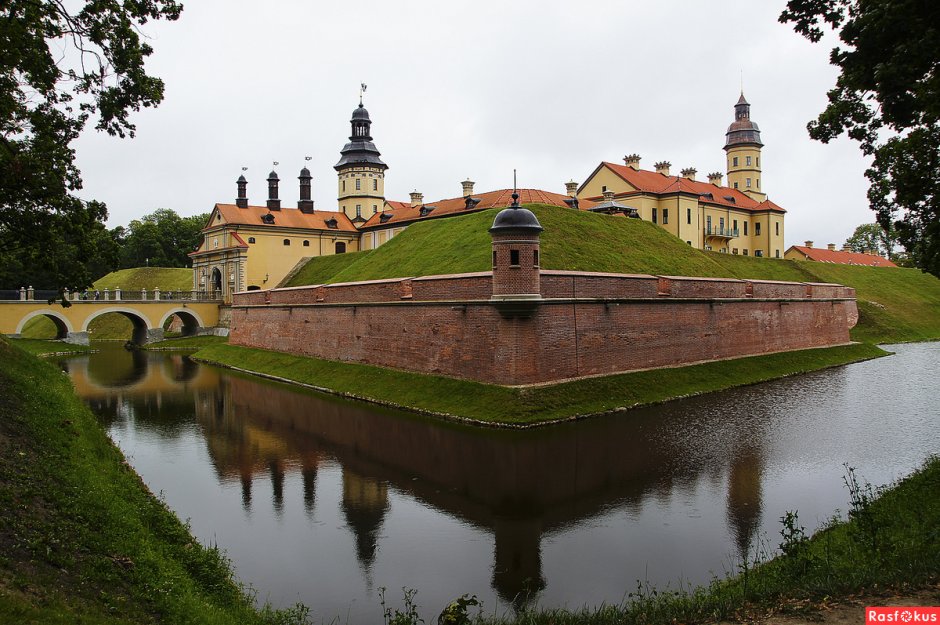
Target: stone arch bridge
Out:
[148,317]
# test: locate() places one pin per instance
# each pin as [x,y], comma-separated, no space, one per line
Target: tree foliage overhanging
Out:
[887,98]
[58,68]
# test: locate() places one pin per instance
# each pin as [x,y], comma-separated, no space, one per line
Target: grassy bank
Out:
[895,304]
[39,347]
[495,405]
[82,539]
[186,343]
[891,540]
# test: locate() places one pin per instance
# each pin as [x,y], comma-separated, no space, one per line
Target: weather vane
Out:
[276,163]
[244,169]
[362,89]
[308,158]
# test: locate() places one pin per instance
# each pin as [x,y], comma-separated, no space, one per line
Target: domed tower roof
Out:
[516,219]
[742,130]
[360,150]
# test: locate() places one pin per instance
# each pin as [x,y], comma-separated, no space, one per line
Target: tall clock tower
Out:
[360,171]
[743,145]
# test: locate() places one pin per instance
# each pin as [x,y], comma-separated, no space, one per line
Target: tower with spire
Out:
[360,170]
[743,145]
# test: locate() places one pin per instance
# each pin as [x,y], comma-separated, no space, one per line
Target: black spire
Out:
[360,149]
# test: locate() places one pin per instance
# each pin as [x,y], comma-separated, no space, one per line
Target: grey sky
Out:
[474,89]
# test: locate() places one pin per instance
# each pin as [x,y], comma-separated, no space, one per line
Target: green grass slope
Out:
[895,304]
[136,278]
[81,537]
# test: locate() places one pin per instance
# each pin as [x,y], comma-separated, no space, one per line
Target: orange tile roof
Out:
[654,182]
[397,205]
[453,206]
[284,218]
[842,258]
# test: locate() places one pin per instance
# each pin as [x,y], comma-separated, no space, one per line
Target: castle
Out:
[251,247]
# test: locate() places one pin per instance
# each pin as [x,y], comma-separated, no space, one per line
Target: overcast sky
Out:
[463,89]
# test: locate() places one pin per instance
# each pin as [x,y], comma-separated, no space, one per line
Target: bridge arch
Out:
[141,324]
[62,325]
[191,320]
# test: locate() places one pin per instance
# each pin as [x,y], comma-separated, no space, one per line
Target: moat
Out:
[325,501]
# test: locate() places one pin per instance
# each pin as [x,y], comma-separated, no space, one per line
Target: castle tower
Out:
[516,274]
[360,171]
[743,146]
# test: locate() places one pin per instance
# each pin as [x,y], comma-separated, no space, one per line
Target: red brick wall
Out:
[563,339]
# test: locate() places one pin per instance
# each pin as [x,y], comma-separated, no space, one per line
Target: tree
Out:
[872,237]
[887,98]
[161,239]
[57,69]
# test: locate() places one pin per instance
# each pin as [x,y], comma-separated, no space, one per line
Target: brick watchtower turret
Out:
[516,233]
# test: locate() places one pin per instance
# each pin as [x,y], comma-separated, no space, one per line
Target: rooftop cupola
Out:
[274,204]
[742,130]
[305,204]
[242,200]
[360,150]
[516,267]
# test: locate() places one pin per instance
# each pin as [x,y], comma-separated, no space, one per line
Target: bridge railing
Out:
[30,294]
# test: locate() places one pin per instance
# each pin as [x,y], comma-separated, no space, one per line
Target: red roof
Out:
[284,218]
[842,258]
[454,206]
[654,182]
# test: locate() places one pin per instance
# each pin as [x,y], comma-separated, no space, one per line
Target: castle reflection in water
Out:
[517,486]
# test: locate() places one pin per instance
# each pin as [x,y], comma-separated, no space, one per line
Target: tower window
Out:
[735,185]
[514,258]
[735,161]
[535,258]
[747,160]
[286,241]
[757,230]
[748,183]
[688,216]
[375,184]
[494,259]
[358,184]
[604,189]
[358,209]
[344,185]
[306,243]
[758,163]
[758,183]
[745,234]
[375,209]
[777,225]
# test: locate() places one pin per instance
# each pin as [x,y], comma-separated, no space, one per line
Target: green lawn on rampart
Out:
[895,304]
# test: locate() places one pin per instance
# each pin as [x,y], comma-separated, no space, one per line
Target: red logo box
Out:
[902,615]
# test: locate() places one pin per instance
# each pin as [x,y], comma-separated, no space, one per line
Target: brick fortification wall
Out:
[587,323]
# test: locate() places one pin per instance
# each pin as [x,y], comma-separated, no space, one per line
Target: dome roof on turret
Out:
[360,113]
[516,218]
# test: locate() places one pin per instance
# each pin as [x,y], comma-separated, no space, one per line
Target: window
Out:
[340,247]
[758,183]
[777,227]
[748,183]
[665,216]
[759,253]
[251,239]
[745,234]
[708,223]
[688,216]
[689,242]
[358,210]
[734,251]
[756,232]
[215,242]
[745,251]
[358,184]
[735,185]
[708,248]
[306,243]
[758,161]
[514,258]
[286,241]
[375,209]
[734,227]
[494,259]
[747,160]
[777,253]
[535,258]
[375,184]
[735,161]
[343,185]
[604,189]
[721,224]
[655,217]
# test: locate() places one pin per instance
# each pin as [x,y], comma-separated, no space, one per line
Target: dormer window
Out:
[267,218]
[331,223]
[385,217]
[426,210]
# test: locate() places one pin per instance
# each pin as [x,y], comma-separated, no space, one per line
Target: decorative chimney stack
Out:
[242,200]
[467,187]
[608,196]
[274,204]
[632,160]
[516,274]
[417,199]
[689,172]
[715,178]
[662,167]
[832,247]
[305,204]
[808,243]
[846,248]
[572,188]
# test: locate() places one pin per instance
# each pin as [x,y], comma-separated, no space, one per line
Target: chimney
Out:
[242,200]
[274,204]
[572,188]
[416,198]
[632,160]
[846,248]
[808,243]
[715,178]
[662,167]
[305,204]
[689,172]
[467,187]
[832,247]
[608,196]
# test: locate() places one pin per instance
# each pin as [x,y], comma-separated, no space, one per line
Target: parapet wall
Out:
[586,324]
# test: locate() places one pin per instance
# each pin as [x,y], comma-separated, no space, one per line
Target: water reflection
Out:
[658,494]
